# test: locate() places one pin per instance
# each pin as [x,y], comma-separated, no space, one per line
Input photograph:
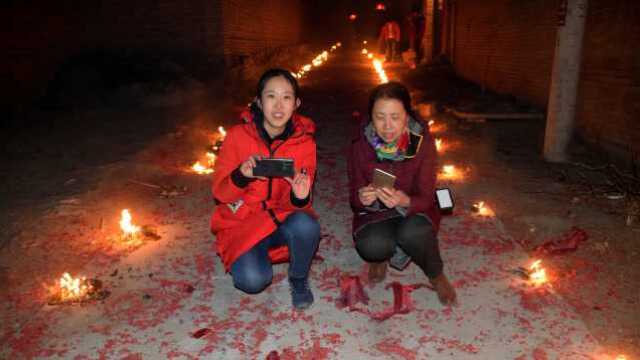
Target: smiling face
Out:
[278,102]
[389,119]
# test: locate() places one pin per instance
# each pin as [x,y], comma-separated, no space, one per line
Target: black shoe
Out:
[301,295]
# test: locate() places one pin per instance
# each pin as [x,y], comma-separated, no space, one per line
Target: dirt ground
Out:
[63,185]
[538,201]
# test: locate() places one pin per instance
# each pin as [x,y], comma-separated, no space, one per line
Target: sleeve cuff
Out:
[240,180]
[300,202]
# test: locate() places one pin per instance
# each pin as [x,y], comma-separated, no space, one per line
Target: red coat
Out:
[415,175]
[390,30]
[238,231]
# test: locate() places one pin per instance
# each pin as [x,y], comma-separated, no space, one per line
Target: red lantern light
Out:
[380,7]
[352,17]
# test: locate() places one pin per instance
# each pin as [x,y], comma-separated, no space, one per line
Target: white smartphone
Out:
[445,199]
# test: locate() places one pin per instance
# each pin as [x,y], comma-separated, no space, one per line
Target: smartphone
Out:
[274,167]
[444,199]
[383,179]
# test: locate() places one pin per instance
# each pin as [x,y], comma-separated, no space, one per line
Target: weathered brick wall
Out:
[608,107]
[507,45]
[39,36]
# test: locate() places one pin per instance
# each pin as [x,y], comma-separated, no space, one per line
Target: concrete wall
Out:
[508,46]
[39,36]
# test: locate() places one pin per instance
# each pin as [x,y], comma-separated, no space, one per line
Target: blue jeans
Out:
[300,232]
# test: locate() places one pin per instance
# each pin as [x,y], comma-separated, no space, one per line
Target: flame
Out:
[377,64]
[370,56]
[483,209]
[621,357]
[450,172]
[537,275]
[365,51]
[211,158]
[222,132]
[73,288]
[199,169]
[439,145]
[430,123]
[364,42]
[127,227]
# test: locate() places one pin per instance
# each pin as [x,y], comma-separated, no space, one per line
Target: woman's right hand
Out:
[367,195]
[246,168]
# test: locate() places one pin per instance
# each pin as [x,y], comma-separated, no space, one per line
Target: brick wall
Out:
[508,46]
[608,107]
[495,47]
[38,36]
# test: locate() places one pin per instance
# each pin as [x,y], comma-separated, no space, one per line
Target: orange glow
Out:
[200,169]
[129,230]
[222,132]
[439,145]
[483,210]
[450,172]
[72,289]
[537,274]
[430,123]
[352,17]
[621,357]
[370,56]
[365,51]
[377,64]
[380,7]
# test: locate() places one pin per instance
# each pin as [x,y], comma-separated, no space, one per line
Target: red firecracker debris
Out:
[351,292]
[566,243]
[402,302]
[273,356]
[200,333]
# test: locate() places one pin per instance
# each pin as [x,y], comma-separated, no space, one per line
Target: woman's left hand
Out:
[300,185]
[392,197]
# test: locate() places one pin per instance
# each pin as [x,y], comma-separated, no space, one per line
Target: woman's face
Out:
[389,119]
[278,102]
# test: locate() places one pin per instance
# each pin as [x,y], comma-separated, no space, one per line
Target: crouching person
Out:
[266,217]
[392,176]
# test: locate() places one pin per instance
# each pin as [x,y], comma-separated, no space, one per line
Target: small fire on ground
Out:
[205,167]
[70,290]
[129,230]
[537,274]
[450,172]
[482,209]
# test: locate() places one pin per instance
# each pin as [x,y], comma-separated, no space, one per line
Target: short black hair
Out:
[275,72]
[391,90]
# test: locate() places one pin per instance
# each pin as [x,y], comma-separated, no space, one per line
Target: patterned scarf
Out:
[394,151]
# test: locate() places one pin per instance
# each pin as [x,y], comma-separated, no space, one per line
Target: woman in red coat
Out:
[259,221]
[391,223]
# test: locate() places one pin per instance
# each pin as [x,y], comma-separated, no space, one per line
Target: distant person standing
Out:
[390,37]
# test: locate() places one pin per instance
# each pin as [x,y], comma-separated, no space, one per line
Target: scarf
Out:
[394,151]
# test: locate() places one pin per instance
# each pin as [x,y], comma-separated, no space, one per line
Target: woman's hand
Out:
[246,168]
[300,184]
[367,195]
[392,198]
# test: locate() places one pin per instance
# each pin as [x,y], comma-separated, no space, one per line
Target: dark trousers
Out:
[377,242]
[300,232]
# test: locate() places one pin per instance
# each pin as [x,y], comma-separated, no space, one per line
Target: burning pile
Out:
[536,275]
[70,290]
[133,234]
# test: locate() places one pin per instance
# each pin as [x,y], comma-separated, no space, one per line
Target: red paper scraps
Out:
[273,355]
[351,292]
[565,243]
[402,302]
[200,333]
